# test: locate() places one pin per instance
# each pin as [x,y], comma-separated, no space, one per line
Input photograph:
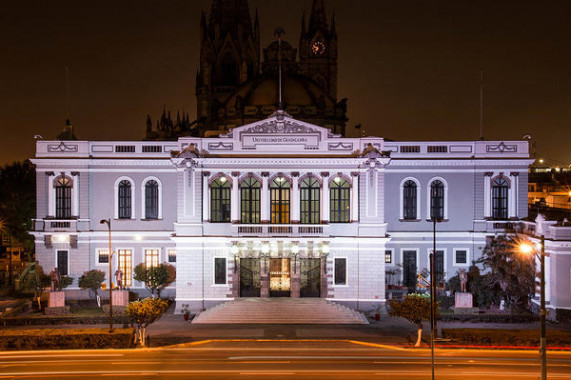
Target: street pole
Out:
[432,295]
[542,312]
[108,222]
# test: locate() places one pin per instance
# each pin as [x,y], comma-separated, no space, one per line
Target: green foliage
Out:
[502,337]
[484,295]
[511,276]
[92,279]
[64,281]
[155,278]
[34,279]
[144,313]
[65,339]
[414,307]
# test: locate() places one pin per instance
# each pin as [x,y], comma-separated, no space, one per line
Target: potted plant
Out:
[378,313]
[185,312]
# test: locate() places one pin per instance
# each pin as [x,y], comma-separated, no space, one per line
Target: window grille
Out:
[250,201]
[340,200]
[124,198]
[220,200]
[124,148]
[409,200]
[310,201]
[152,200]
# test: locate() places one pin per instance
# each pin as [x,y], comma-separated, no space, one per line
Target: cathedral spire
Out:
[318,18]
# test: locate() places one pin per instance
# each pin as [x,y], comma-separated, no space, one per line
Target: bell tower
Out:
[318,49]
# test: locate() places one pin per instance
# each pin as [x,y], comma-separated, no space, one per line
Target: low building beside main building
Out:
[279,207]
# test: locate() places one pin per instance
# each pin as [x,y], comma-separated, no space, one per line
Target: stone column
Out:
[355,197]
[205,197]
[325,201]
[75,194]
[295,198]
[487,194]
[514,178]
[295,276]
[235,199]
[51,194]
[265,198]
[265,277]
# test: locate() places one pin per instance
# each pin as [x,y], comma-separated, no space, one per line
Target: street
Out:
[315,359]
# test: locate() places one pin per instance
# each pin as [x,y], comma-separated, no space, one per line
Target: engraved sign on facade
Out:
[250,141]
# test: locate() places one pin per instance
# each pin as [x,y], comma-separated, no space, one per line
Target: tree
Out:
[92,280]
[483,295]
[511,274]
[415,308]
[34,279]
[155,278]
[63,283]
[144,313]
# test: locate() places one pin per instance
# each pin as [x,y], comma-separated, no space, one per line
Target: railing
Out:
[281,230]
[55,225]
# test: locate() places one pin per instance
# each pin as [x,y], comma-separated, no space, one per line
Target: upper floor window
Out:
[340,200]
[63,197]
[220,200]
[436,200]
[409,200]
[124,198]
[309,201]
[279,200]
[500,198]
[250,201]
[151,199]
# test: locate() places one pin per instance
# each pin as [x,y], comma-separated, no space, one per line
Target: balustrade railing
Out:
[281,230]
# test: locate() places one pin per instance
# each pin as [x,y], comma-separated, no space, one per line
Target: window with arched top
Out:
[500,189]
[151,199]
[63,197]
[409,200]
[125,201]
[279,200]
[220,200]
[250,201]
[436,200]
[340,200]
[228,71]
[309,189]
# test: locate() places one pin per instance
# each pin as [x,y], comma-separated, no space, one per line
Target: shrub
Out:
[500,337]
[35,280]
[155,278]
[144,313]
[415,308]
[92,280]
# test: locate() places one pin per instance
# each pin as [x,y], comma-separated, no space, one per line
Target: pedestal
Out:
[464,304]
[56,299]
[120,298]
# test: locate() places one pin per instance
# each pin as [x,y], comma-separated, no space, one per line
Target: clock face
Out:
[318,47]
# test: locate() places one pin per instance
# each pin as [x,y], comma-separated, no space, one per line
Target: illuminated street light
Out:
[528,249]
[108,222]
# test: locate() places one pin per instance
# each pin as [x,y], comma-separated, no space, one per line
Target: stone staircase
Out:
[281,311]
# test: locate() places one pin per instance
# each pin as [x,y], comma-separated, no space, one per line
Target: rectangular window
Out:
[126,265]
[388,256]
[220,270]
[125,148]
[103,256]
[437,149]
[172,255]
[340,271]
[151,258]
[410,149]
[62,263]
[152,148]
[461,257]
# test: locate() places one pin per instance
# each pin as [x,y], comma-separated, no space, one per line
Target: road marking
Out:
[65,356]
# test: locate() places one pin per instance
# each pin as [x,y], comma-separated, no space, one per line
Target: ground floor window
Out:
[151,258]
[388,256]
[340,271]
[103,256]
[220,270]
[461,257]
[62,263]
[126,265]
[172,255]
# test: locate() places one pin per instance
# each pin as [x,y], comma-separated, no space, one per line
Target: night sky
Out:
[410,69]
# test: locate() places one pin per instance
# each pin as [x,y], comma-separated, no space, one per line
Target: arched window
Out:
[250,201]
[309,201]
[220,200]
[151,200]
[124,200]
[340,200]
[63,197]
[500,198]
[279,200]
[409,200]
[228,71]
[436,200]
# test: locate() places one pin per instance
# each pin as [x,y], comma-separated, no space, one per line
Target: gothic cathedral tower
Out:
[229,57]
[318,49]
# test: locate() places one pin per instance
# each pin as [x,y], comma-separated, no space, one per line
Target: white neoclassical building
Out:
[277,208]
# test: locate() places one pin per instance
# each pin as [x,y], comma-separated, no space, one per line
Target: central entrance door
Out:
[280,284]
[250,283]
[310,277]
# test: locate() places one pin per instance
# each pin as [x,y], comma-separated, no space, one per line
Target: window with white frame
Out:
[340,200]
[409,200]
[63,186]
[124,199]
[220,270]
[340,271]
[151,258]
[500,189]
[460,257]
[171,255]
[437,200]
[125,257]
[151,198]
[102,256]
[220,200]
[388,256]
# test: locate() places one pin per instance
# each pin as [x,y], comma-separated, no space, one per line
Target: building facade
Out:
[279,207]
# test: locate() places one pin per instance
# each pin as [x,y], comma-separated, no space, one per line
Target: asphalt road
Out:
[280,359]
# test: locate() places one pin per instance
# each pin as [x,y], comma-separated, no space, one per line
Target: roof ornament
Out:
[278,33]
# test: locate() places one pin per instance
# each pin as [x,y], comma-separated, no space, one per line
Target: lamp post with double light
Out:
[108,222]
[529,249]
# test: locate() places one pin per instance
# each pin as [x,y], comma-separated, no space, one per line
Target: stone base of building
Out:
[367,307]
[57,310]
[117,310]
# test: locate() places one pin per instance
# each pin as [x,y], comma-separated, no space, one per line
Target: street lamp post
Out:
[529,249]
[108,222]
[432,294]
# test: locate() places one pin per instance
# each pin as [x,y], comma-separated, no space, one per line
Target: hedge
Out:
[488,318]
[43,320]
[501,337]
[65,339]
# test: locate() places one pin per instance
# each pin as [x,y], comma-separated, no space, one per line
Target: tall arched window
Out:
[436,200]
[228,71]
[125,200]
[309,201]
[220,200]
[152,200]
[250,201]
[63,197]
[279,200]
[340,200]
[409,200]
[500,198]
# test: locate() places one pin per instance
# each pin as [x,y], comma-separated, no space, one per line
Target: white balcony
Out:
[295,230]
